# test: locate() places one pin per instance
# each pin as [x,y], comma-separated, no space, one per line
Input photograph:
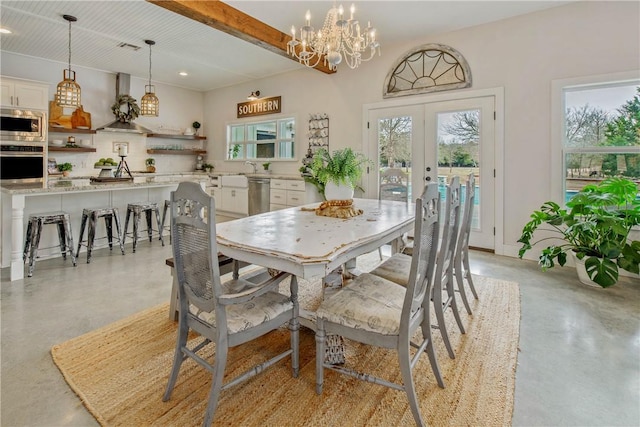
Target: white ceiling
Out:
[214,59]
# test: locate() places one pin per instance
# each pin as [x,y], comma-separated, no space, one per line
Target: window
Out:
[267,140]
[601,133]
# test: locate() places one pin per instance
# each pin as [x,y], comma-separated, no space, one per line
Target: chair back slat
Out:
[426,233]
[450,227]
[193,235]
[467,214]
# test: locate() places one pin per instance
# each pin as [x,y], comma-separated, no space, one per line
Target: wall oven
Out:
[22,125]
[23,164]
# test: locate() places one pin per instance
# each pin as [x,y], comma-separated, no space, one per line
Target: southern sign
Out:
[260,107]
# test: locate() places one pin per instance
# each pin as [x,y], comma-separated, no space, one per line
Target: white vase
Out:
[333,191]
[582,273]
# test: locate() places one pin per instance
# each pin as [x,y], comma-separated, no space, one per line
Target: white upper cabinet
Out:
[23,94]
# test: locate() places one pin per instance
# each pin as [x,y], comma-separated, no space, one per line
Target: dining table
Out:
[311,246]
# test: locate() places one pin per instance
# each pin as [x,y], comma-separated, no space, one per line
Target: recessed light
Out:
[183,73]
[5,31]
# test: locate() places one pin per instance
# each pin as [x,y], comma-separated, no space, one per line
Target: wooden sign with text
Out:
[260,107]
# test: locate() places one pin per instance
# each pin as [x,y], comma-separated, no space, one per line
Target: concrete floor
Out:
[579,360]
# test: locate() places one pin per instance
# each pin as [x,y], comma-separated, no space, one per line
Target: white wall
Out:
[178,109]
[522,54]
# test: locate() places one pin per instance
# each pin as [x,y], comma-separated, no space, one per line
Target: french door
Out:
[432,142]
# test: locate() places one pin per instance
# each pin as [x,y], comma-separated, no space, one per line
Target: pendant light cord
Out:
[69,46]
[149,64]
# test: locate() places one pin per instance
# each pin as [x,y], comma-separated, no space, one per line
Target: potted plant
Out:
[595,229]
[65,168]
[265,166]
[196,126]
[151,164]
[207,167]
[336,174]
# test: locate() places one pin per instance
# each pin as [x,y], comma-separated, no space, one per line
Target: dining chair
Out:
[228,314]
[377,312]
[461,268]
[397,267]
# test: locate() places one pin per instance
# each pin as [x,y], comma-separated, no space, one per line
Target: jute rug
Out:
[120,372]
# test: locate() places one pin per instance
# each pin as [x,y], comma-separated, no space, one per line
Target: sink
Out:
[238,181]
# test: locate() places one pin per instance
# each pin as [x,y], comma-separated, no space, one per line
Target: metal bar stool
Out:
[34,231]
[137,208]
[110,215]
[167,205]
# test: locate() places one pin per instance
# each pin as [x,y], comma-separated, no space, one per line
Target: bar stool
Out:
[137,209]
[167,205]
[110,215]
[34,231]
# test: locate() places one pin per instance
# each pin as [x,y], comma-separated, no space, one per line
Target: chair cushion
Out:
[245,316]
[369,302]
[395,269]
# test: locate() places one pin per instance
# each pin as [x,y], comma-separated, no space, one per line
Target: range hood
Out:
[123,85]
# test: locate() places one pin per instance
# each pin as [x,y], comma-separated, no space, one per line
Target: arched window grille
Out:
[427,68]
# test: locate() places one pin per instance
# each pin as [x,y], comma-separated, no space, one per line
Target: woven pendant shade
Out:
[149,104]
[68,91]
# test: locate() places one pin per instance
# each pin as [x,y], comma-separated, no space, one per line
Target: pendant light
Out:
[149,104]
[68,91]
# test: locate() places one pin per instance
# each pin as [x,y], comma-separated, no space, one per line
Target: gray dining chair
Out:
[461,267]
[378,312]
[225,314]
[397,267]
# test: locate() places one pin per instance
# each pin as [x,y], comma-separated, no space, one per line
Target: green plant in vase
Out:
[196,126]
[595,228]
[65,168]
[340,168]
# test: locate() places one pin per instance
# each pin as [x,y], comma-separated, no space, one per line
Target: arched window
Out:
[428,68]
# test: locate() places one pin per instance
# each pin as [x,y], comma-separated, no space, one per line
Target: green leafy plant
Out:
[266,165]
[343,166]
[150,161]
[207,167]
[196,125]
[65,167]
[595,227]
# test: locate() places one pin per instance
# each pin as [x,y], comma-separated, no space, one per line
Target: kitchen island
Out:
[72,195]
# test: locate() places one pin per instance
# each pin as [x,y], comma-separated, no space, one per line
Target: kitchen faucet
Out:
[255,169]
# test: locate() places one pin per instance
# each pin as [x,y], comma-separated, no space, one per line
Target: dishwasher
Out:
[258,195]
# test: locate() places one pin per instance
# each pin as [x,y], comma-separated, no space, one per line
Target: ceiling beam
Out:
[225,18]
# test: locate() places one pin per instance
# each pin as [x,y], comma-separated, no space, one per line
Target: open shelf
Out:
[164,135]
[73,149]
[189,152]
[66,130]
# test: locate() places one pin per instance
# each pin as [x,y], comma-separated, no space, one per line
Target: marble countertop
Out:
[79,184]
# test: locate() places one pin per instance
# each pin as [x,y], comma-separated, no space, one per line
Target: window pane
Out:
[584,168]
[266,151]
[286,150]
[602,134]
[259,131]
[287,129]
[236,151]
[237,133]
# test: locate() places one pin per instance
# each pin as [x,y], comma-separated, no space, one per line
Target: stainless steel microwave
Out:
[22,125]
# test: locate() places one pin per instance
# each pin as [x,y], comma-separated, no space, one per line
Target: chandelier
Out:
[149,104]
[68,91]
[338,39]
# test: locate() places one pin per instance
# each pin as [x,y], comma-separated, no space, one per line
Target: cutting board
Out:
[81,118]
[78,118]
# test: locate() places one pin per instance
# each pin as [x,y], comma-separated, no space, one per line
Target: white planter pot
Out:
[582,273]
[333,191]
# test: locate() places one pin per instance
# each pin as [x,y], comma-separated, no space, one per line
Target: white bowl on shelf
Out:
[56,142]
